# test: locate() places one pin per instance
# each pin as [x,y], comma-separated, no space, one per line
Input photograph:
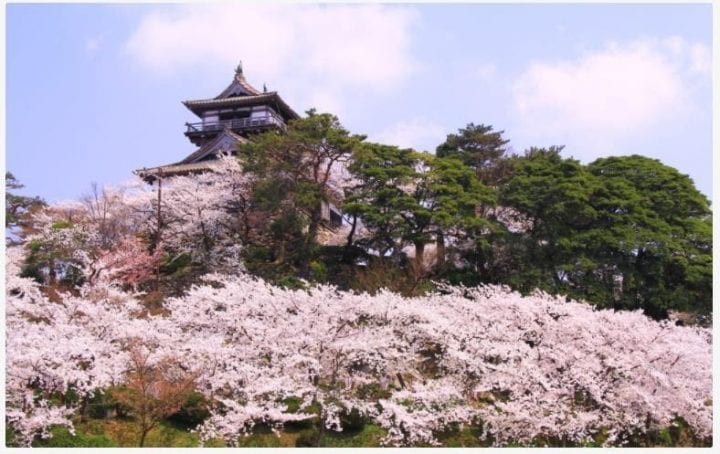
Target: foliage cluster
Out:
[139,304]
[623,232]
[329,361]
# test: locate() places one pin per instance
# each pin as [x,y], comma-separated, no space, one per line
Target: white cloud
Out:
[700,59]
[486,71]
[606,97]
[694,57]
[331,48]
[326,100]
[92,45]
[418,133]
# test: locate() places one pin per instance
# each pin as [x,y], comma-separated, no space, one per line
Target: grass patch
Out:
[263,437]
[466,437]
[62,438]
[123,432]
[368,437]
[269,440]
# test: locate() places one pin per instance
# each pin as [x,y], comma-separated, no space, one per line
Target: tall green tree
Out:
[18,208]
[485,151]
[549,197]
[454,194]
[293,177]
[385,178]
[410,198]
[655,228]
[625,232]
[482,149]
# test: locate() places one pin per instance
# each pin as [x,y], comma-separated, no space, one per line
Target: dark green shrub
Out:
[32,271]
[318,271]
[101,405]
[291,283]
[176,263]
[293,404]
[10,437]
[193,412]
[72,276]
[307,439]
[352,421]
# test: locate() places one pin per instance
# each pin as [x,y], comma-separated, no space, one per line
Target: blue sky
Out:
[94,91]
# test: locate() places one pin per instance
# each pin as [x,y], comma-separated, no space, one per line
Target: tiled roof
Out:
[193,162]
[174,169]
[235,100]
[198,106]
[240,94]
[238,84]
[211,147]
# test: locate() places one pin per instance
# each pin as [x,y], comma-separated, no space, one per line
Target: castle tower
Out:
[228,119]
[239,108]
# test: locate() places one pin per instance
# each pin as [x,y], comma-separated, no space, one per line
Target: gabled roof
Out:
[173,169]
[272,99]
[239,86]
[222,143]
[241,94]
[197,161]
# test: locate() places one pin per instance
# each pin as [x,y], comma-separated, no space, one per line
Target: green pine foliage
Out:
[622,232]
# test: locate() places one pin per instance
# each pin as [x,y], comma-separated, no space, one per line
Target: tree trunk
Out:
[52,277]
[310,241]
[144,430]
[85,409]
[313,226]
[320,427]
[440,249]
[420,255]
[351,235]
[321,431]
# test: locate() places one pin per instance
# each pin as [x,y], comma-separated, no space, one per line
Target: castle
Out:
[226,121]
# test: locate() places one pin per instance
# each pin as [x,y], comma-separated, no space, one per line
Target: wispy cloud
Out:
[92,44]
[604,97]
[419,133]
[331,48]
[486,71]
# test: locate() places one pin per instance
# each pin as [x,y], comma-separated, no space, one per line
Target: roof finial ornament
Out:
[264,88]
[238,70]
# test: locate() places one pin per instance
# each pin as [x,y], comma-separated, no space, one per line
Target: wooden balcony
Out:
[198,132]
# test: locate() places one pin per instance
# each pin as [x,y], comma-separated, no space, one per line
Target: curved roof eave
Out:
[198,106]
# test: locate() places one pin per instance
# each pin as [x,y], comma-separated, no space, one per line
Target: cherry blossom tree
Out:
[130,263]
[53,348]
[524,366]
[205,216]
[112,233]
[153,389]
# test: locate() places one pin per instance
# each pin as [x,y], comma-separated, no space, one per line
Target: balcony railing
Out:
[236,123]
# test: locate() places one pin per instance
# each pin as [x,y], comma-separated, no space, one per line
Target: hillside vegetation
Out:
[227,310]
